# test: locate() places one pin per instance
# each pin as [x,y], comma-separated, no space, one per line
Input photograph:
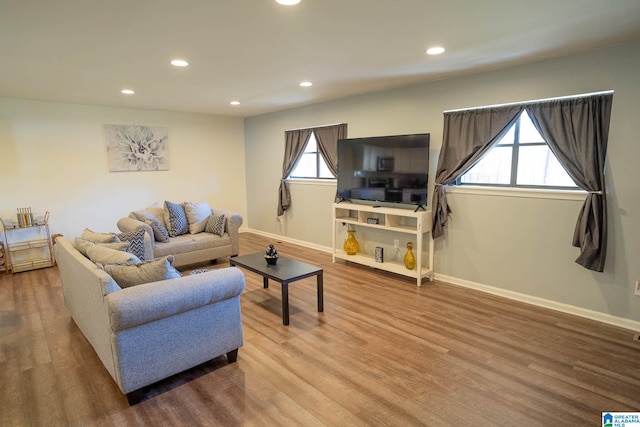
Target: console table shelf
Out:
[28,247]
[3,260]
[391,223]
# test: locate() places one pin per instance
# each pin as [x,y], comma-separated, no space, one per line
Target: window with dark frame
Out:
[522,158]
[311,164]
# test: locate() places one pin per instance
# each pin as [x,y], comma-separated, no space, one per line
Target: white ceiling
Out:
[256,51]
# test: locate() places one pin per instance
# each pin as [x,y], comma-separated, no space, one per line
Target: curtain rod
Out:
[314,127]
[531,102]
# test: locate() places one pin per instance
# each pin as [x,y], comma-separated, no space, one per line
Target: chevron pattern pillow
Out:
[215,224]
[136,242]
[175,219]
[160,233]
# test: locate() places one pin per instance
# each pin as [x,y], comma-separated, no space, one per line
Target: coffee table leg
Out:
[285,303]
[320,293]
[265,282]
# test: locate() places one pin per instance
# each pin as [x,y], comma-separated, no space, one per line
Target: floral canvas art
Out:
[137,148]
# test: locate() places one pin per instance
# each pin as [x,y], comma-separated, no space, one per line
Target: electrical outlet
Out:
[396,244]
[638,288]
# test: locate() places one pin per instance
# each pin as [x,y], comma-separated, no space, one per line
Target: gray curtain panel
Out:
[577,131]
[327,137]
[294,143]
[467,136]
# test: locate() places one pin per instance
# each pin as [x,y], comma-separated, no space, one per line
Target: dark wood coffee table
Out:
[287,270]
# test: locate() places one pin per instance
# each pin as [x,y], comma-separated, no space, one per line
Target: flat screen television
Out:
[389,169]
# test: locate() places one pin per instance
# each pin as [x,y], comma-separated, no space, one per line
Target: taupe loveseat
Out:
[190,247]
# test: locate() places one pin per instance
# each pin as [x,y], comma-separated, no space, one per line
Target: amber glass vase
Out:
[351,245]
[409,258]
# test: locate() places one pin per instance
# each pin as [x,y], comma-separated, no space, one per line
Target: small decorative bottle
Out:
[351,245]
[409,259]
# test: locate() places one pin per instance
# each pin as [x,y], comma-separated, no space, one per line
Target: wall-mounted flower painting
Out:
[137,148]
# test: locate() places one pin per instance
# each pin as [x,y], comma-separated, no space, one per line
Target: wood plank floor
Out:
[384,352]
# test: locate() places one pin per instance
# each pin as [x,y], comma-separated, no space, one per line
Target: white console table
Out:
[395,224]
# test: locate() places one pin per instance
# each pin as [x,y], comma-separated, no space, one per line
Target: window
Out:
[311,164]
[521,158]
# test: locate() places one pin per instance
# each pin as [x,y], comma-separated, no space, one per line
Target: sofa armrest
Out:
[234,221]
[149,302]
[131,224]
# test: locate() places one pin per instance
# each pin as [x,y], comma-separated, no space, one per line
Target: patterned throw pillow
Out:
[127,275]
[160,233]
[136,242]
[175,219]
[215,224]
[200,270]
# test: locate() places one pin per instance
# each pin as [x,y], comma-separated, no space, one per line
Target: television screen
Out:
[390,169]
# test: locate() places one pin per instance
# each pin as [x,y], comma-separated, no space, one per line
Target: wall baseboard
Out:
[541,302]
[288,240]
[517,296]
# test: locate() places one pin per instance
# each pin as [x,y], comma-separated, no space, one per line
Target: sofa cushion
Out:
[190,243]
[95,237]
[127,275]
[175,219]
[215,224]
[197,215]
[177,245]
[136,242]
[103,255]
[208,240]
[81,245]
[160,232]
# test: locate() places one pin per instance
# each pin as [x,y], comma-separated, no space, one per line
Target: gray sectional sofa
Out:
[191,246]
[148,332]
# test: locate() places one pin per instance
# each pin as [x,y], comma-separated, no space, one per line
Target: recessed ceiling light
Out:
[179,63]
[288,2]
[306,84]
[235,103]
[127,91]
[435,50]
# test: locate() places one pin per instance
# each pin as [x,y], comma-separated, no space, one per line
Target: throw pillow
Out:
[197,215]
[200,270]
[127,275]
[102,255]
[94,237]
[154,211]
[136,241]
[215,224]
[175,219]
[160,233]
[82,245]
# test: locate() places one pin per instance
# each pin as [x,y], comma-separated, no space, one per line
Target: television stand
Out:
[388,225]
[419,207]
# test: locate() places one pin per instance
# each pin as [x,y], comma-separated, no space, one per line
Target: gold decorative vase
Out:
[351,245]
[409,259]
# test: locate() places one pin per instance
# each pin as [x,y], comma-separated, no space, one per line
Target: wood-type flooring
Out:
[383,352]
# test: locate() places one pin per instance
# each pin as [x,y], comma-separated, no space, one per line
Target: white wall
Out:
[54,158]
[514,245]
